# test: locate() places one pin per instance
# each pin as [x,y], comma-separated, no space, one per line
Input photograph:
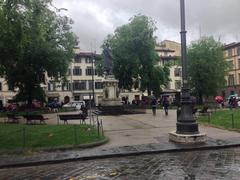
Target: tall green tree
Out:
[134,56]
[206,67]
[35,40]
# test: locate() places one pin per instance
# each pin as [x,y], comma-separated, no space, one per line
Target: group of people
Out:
[165,104]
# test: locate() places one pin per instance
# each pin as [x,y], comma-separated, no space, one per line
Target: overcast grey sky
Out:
[95,19]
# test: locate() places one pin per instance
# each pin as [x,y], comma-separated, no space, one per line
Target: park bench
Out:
[204,111]
[34,118]
[12,118]
[66,117]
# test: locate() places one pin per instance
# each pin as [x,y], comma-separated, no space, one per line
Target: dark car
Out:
[53,105]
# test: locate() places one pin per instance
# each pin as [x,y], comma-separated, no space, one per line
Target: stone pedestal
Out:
[111,103]
[187,138]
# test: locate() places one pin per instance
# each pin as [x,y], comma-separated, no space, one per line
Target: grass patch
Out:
[228,119]
[18,136]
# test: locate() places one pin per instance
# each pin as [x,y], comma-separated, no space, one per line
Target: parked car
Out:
[53,104]
[75,104]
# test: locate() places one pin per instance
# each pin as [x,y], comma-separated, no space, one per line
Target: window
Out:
[77,59]
[0,86]
[90,85]
[230,52]
[51,86]
[77,71]
[76,98]
[66,86]
[231,80]
[238,63]
[90,71]
[238,51]
[177,84]
[69,73]
[238,78]
[98,85]
[79,85]
[10,87]
[88,60]
[230,63]
[177,72]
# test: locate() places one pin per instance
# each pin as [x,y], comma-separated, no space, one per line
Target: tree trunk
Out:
[200,98]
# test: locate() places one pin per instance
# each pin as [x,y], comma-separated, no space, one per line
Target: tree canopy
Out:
[35,40]
[206,67]
[134,56]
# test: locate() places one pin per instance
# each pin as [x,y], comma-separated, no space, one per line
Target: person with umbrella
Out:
[219,100]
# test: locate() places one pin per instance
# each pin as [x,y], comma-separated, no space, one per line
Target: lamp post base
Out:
[187,138]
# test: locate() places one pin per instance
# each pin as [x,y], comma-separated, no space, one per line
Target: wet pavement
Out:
[208,164]
[139,148]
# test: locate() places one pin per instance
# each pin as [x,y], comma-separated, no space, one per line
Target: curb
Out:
[65,148]
[115,155]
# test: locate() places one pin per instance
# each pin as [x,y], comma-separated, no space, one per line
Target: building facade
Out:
[82,81]
[170,52]
[232,56]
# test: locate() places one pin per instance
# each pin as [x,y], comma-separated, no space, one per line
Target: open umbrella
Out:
[219,99]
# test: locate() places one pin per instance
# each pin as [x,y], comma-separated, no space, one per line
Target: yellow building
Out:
[232,56]
[170,52]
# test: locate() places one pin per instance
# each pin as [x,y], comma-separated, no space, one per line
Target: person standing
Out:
[154,106]
[165,104]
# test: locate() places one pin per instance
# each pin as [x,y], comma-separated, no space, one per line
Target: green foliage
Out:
[46,136]
[207,67]
[134,56]
[229,119]
[35,40]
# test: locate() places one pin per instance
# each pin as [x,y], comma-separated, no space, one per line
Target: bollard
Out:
[24,137]
[208,118]
[102,128]
[75,134]
[98,126]
[232,121]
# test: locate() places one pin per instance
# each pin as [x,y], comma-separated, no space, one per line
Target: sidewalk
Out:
[129,135]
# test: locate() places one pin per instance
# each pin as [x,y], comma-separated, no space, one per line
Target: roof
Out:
[87,54]
[231,45]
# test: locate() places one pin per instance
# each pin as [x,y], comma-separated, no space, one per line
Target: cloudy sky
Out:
[95,19]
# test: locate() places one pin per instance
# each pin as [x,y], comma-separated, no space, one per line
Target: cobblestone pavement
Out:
[209,164]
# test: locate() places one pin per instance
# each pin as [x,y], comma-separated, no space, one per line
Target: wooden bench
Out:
[12,118]
[30,118]
[204,111]
[66,117]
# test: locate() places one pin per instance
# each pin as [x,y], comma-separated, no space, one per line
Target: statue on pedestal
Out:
[108,61]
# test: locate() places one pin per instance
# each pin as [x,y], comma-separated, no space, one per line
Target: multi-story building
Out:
[170,52]
[82,72]
[232,56]
[80,81]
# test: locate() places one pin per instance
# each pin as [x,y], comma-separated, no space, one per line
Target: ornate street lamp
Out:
[187,127]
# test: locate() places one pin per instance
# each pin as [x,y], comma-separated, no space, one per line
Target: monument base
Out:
[187,138]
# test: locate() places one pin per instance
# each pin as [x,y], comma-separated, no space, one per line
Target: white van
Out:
[75,104]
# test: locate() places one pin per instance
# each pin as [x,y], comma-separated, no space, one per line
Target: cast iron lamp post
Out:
[186,123]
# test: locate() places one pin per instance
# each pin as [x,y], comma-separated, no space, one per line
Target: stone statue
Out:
[108,62]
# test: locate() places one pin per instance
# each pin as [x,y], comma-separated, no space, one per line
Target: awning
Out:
[53,94]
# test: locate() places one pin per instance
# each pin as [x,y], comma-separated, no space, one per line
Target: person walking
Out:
[165,104]
[154,106]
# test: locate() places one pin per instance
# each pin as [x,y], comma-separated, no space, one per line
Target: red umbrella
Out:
[219,99]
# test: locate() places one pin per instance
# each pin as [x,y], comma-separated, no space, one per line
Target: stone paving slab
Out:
[200,165]
[129,135]
[107,152]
